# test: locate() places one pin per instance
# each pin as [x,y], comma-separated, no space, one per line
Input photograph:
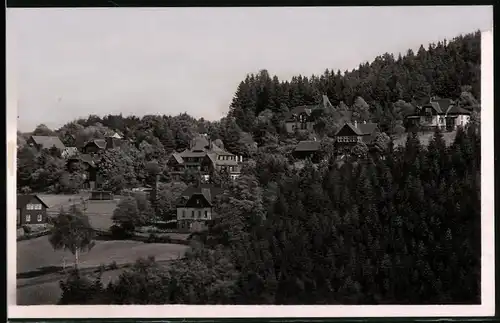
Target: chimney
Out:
[355,124]
[364,122]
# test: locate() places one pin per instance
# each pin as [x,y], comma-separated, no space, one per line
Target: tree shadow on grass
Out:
[40,272]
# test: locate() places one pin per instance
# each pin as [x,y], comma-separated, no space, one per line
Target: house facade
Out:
[196,207]
[438,113]
[204,157]
[89,166]
[352,133]
[30,210]
[45,142]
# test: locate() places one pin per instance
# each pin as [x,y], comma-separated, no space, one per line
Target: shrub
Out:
[27,229]
[152,238]
[118,233]
[113,265]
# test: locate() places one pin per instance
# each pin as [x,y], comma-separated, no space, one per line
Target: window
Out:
[192,214]
[199,214]
[183,213]
[28,218]
[39,218]
[206,214]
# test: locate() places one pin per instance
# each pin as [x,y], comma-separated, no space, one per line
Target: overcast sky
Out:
[75,62]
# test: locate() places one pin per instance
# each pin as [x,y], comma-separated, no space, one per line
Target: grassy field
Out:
[425,138]
[36,256]
[100,213]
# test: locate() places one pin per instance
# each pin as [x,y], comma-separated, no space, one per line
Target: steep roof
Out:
[199,142]
[308,145]
[100,143]
[23,199]
[48,142]
[455,109]
[351,126]
[207,190]
[361,129]
[177,158]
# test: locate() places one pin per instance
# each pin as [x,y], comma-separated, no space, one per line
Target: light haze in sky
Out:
[70,63]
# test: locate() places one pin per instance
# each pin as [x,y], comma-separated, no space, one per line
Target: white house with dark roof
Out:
[196,207]
[442,113]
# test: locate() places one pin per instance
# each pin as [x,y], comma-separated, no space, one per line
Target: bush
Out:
[113,266]
[27,229]
[152,238]
[119,233]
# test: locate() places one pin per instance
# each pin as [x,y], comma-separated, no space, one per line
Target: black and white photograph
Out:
[323,156]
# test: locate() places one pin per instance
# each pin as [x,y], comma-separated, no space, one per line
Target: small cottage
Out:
[30,210]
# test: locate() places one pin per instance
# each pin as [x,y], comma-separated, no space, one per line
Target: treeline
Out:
[441,70]
[403,229]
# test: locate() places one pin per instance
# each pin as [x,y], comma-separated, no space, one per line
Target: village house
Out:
[196,207]
[352,133]
[307,149]
[204,157]
[94,146]
[45,142]
[304,117]
[30,210]
[109,142]
[89,166]
[438,113]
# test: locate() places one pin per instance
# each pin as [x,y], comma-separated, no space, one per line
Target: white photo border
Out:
[487,308]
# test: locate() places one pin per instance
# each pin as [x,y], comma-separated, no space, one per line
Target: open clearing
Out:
[425,138]
[37,255]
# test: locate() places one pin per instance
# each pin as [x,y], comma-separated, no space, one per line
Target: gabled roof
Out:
[23,199]
[434,105]
[47,142]
[455,109]
[361,129]
[177,157]
[189,153]
[351,126]
[207,190]
[199,142]
[100,143]
[308,145]
[85,158]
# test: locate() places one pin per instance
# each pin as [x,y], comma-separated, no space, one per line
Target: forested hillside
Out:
[402,227]
[444,69]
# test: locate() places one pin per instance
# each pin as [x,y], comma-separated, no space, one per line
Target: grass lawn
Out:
[425,138]
[36,257]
